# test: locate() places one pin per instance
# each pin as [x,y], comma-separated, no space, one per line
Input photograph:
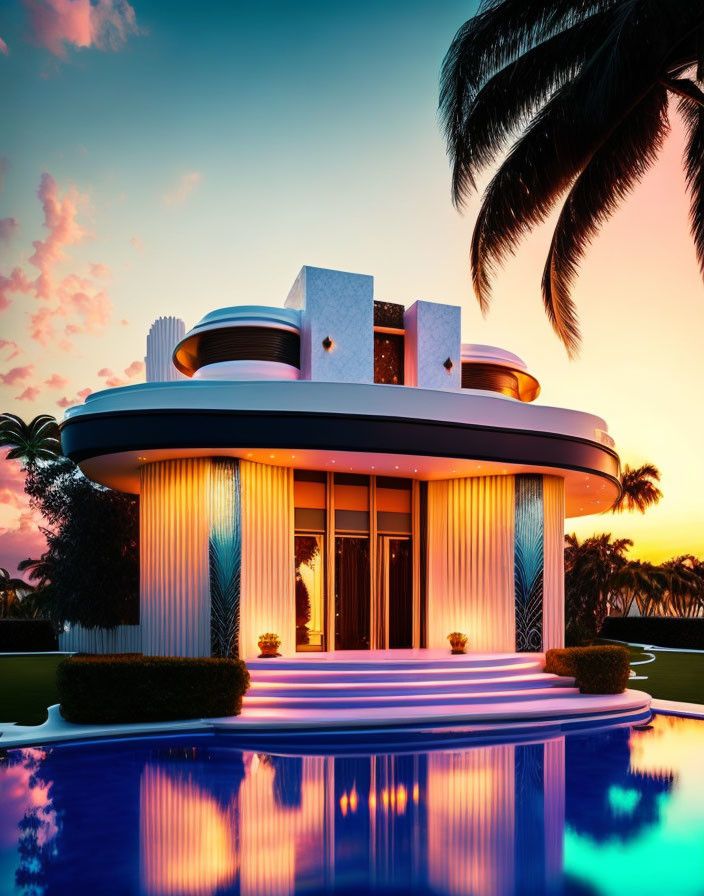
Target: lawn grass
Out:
[27,687]
[673,675]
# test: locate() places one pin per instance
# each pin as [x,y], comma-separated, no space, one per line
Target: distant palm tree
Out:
[40,571]
[579,90]
[30,442]
[638,489]
[11,592]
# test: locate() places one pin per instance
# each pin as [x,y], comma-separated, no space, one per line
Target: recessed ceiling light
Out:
[272,456]
[141,458]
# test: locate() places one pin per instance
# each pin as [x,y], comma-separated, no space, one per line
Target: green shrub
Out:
[135,688]
[602,669]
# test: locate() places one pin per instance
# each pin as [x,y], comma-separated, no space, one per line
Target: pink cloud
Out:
[137,243]
[60,215]
[8,226]
[57,24]
[124,323]
[105,371]
[3,48]
[12,483]
[20,535]
[100,271]
[73,304]
[81,396]
[135,369]
[30,394]
[15,350]
[186,184]
[16,282]
[17,375]
[56,381]
[114,382]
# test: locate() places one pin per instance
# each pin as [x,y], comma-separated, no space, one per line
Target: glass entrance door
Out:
[352,590]
[394,592]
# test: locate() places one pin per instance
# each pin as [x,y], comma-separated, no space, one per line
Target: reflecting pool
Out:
[611,812]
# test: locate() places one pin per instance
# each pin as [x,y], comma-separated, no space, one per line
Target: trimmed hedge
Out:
[27,636]
[663,631]
[601,669]
[135,688]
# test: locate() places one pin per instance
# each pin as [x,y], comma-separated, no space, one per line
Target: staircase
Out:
[401,684]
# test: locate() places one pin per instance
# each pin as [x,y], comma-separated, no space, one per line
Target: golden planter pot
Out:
[458,642]
[269,644]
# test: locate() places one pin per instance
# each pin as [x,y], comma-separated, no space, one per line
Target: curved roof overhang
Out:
[387,430]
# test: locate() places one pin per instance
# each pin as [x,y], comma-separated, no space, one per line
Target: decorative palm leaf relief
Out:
[225,553]
[528,563]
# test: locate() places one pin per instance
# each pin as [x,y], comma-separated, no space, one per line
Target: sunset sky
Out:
[165,158]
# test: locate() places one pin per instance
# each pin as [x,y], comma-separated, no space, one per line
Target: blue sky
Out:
[197,156]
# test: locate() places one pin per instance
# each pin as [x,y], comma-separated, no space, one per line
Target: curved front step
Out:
[278,687]
[408,699]
[375,674]
[391,660]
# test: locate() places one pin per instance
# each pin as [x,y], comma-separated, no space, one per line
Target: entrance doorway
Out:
[352,590]
[394,592]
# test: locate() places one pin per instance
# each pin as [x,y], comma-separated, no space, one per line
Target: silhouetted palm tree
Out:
[11,593]
[579,89]
[638,489]
[30,442]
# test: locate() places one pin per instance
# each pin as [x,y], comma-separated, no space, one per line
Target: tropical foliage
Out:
[30,442]
[638,489]
[578,92]
[12,592]
[600,580]
[89,573]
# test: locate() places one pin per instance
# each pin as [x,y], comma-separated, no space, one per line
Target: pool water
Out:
[619,811]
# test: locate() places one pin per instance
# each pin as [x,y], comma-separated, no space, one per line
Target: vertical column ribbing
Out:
[470,561]
[174,577]
[163,335]
[267,602]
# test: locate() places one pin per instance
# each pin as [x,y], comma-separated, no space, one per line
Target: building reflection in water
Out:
[444,822]
[188,840]
[199,816]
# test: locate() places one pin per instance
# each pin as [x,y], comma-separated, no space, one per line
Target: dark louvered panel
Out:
[490,378]
[248,344]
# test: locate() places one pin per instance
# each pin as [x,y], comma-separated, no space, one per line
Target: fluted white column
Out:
[174,511]
[267,602]
[163,335]
[470,562]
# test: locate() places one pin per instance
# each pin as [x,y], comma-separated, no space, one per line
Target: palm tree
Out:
[30,442]
[638,489]
[634,580]
[591,570]
[11,592]
[40,571]
[579,90]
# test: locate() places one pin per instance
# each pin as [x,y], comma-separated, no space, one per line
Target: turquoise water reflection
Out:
[610,812]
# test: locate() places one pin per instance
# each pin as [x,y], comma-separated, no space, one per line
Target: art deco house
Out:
[347,474]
